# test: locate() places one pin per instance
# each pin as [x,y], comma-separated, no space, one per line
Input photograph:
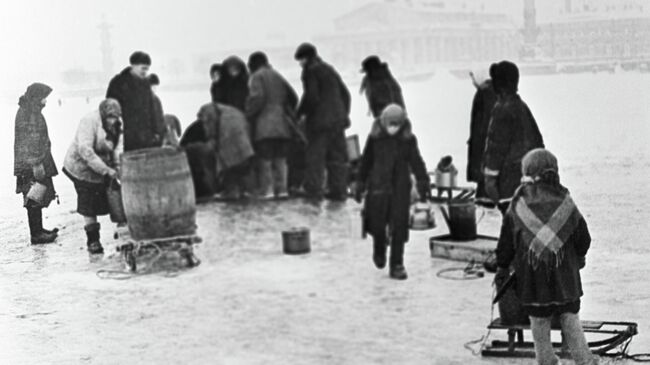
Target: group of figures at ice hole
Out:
[258,139]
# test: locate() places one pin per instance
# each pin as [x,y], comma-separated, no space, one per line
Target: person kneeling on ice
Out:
[389,158]
[546,238]
[90,164]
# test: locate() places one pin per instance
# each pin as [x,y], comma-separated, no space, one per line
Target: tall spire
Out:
[106,47]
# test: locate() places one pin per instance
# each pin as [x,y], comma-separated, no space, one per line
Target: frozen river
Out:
[249,304]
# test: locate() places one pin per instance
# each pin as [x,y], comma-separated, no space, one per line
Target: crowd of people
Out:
[257,138]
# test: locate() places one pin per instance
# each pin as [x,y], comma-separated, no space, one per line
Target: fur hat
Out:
[140,58]
[505,76]
[216,67]
[371,63]
[306,50]
[257,60]
[153,79]
[110,108]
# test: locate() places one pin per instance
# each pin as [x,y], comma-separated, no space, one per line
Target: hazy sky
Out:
[42,37]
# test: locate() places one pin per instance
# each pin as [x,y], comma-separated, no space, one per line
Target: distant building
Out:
[413,34]
[598,31]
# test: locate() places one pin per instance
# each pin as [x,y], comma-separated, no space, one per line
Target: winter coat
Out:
[381,90]
[385,173]
[326,99]
[91,155]
[231,91]
[546,239]
[228,132]
[144,126]
[484,100]
[269,103]
[32,146]
[511,134]
[201,158]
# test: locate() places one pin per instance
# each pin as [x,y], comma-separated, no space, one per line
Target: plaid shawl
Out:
[546,217]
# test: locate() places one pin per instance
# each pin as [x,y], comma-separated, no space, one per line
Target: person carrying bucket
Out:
[34,166]
[545,238]
[91,162]
[390,155]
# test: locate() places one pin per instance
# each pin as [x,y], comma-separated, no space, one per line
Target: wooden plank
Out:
[478,250]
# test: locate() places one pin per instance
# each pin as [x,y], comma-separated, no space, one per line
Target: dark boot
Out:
[92,232]
[397,270]
[38,235]
[379,252]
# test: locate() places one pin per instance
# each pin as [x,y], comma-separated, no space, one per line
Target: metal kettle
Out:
[422,217]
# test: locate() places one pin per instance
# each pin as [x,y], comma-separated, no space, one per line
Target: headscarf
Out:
[391,114]
[540,165]
[33,96]
[543,210]
[111,108]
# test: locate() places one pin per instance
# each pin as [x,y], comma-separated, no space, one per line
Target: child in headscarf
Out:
[389,158]
[546,239]
[33,162]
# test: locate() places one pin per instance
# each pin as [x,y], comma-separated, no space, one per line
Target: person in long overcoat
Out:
[144,125]
[269,109]
[325,107]
[484,100]
[390,156]
[91,163]
[512,132]
[380,86]
[33,162]
[228,135]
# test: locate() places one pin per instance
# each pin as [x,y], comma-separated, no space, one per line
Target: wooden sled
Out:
[131,250]
[611,335]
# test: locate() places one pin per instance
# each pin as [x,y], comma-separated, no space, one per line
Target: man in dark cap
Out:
[380,86]
[269,109]
[512,132]
[325,107]
[143,121]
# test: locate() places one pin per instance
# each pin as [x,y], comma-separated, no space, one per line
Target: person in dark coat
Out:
[512,132]
[33,162]
[144,125]
[325,107]
[270,109]
[484,100]
[546,239]
[172,123]
[215,76]
[390,156]
[232,87]
[201,158]
[380,86]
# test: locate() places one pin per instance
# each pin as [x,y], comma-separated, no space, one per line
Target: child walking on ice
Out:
[389,158]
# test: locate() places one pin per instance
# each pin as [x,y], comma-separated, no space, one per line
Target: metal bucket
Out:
[115,204]
[354,150]
[445,179]
[296,241]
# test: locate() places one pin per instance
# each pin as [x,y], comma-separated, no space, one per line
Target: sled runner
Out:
[607,336]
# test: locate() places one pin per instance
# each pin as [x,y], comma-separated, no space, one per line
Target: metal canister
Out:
[296,241]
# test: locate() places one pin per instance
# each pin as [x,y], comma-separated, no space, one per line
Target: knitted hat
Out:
[140,58]
[391,114]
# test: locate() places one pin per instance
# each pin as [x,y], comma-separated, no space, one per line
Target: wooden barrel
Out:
[158,193]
